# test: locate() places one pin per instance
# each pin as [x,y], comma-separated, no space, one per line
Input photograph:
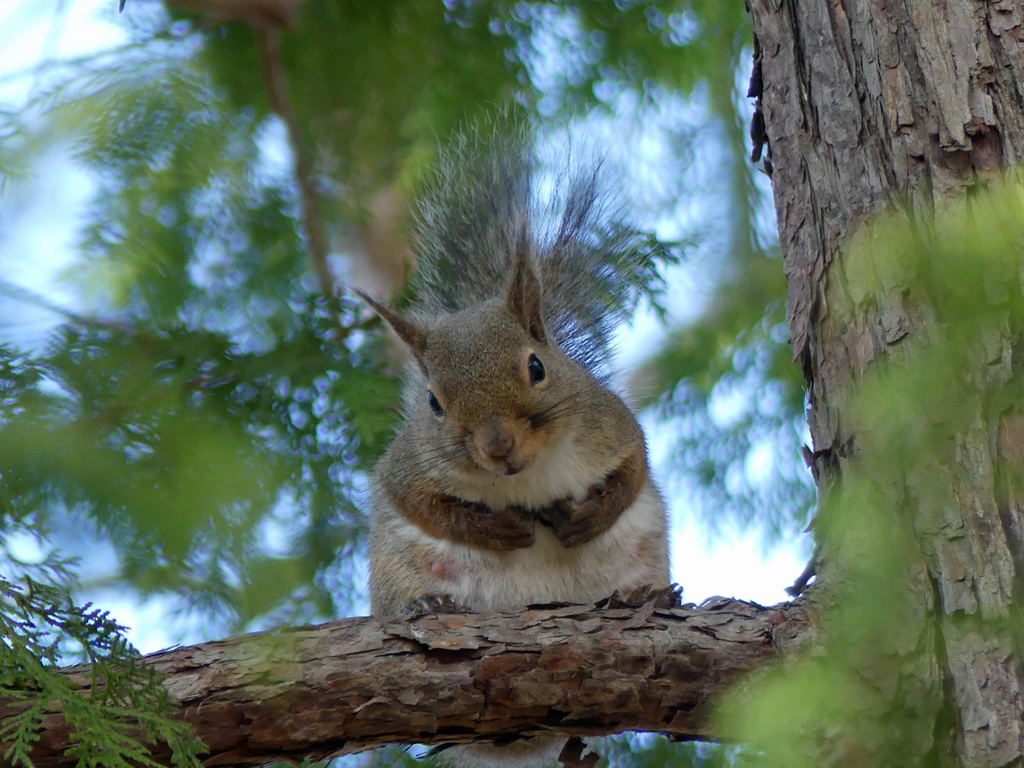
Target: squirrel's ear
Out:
[414,337]
[524,297]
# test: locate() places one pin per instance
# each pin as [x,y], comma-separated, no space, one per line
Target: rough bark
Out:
[350,685]
[905,105]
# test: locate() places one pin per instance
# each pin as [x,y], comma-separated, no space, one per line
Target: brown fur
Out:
[464,522]
[576,523]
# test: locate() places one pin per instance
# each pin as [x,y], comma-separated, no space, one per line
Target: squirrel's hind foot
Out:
[432,603]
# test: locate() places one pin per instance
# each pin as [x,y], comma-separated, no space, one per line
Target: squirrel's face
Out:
[499,391]
[491,389]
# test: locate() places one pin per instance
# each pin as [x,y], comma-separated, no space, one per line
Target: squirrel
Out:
[518,475]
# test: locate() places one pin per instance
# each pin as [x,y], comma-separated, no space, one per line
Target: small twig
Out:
[277,91]
[809,572]
[16,292]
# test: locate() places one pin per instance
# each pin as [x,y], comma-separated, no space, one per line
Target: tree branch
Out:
[354,684]
[269,40]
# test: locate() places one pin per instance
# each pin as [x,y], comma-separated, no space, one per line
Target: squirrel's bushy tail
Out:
[491,197]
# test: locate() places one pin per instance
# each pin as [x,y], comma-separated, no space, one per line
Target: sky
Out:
[38,220]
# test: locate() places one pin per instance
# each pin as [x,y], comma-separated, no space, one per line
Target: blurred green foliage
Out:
[209,416]
[181,450]
[736,397]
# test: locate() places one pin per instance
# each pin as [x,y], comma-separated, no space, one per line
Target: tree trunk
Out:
[346,686]
[906,106]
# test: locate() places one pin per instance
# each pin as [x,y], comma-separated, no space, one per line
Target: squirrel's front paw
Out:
[577,522]
[583,521]
[578,528]
[433,603]
[506,529]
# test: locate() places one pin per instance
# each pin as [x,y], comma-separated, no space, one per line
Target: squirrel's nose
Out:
[496,444]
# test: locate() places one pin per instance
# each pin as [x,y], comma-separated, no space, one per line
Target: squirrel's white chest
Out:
[632,553]
[563,472]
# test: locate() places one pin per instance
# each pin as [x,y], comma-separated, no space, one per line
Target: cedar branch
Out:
[350,685]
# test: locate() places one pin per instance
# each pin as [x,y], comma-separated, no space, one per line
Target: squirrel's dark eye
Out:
[434,404]
[536,369]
